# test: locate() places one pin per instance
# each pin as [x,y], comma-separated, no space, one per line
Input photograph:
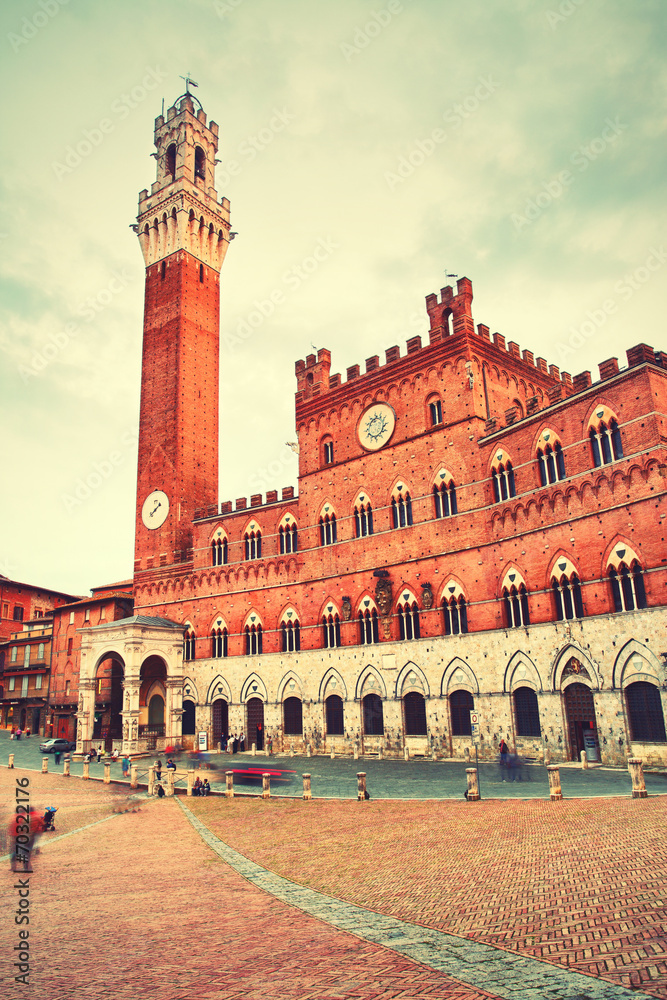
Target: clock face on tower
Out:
[155,509]
[376,426]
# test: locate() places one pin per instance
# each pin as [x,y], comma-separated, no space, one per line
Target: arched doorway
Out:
[189,722]
[255,730]
[152,695]
[220,712]
[414,714]
[581,724]
[108,721]
[373,717]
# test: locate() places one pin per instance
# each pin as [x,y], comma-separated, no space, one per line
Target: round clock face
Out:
[376,426]
[155,509]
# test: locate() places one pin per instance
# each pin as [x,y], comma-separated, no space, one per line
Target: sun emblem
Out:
[376,426]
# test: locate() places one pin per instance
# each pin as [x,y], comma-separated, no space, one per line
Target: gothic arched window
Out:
[219,551]
[627,587]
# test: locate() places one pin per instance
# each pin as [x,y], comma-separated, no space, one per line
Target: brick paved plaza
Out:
[137,903]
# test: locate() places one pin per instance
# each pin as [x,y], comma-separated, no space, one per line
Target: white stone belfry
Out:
[182,211]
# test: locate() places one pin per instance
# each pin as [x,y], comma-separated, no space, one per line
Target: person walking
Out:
[56,756]
[242,742]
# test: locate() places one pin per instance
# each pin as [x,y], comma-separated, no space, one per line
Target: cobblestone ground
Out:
[138,905]
[580,883]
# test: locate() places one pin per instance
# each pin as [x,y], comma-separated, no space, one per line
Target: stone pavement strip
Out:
[508,976]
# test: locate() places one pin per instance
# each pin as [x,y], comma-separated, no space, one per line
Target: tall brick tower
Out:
[183,230]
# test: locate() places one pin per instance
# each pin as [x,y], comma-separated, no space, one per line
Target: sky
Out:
[520,143]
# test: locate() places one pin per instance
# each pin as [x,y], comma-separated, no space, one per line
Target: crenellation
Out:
[499,341]
[352,373]
[271,496]
[555,392]
[483,332]
[256,500]
[541,365]
[372,364]
[608,368]
[554,371]
[514,349]
[528,358]
[639,354]
[392,354]
[226,507]
[581,381]
[566,379]
[414,344]
[288,493]
[241,503]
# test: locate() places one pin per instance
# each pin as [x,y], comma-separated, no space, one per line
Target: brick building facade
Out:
[473,528]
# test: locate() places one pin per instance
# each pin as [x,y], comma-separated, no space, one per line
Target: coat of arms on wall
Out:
[427,596]
[383,596]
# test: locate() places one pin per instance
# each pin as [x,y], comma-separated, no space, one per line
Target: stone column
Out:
[473,784]
[308,750]
[130,713]
[266,786]
[170,782]
[406,753]
[151,779]
[191,781]
[133,775]
[10,763]
[86,711]
[229,790]
[66,764]
[86,770]
[333,753]
[380,752]
[584,760]
[356,750]
[361,786]
[254,750]
[307,794]
[636,769]
[45,765]
[554,782]
[107,772]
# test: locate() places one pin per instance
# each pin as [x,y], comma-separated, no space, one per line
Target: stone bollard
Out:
[10,763]
[170,782]
[253,751]
[307,794]
[133,775]
[554,782]
[406,753]
[291,749]
[191,781]
[466,754]
[107,772]
[86,769]
[151,780]
[473,784]
[309,752]
[333,753]
[66,764]
[380,752]
[356,751]
[229,791]
[266,786]
[361,786]
[45,765]
[584,760]
[636,769]
[547,757]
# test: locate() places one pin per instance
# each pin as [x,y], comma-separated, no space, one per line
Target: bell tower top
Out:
[182,211]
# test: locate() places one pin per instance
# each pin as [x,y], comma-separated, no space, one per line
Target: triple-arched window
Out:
[328,529]
[455,614]
[253,544]
[189,644]
[287,534]
[408,617]
[331,631]
[515,601]
[363,519]
[502,476]
[219,551]
[605,436]
[290,634]
[551,463]
[368,627]
[627,586]
[401,508]
[219,642]
[253,639]
[566,588]
[444,495]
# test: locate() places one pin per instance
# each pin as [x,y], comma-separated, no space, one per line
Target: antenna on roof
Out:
[189,82]
[450,275]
